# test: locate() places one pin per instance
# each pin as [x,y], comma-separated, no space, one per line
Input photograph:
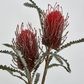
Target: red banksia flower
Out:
[27,44]
[54,24]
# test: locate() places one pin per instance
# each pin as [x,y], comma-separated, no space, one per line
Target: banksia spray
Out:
[28,52]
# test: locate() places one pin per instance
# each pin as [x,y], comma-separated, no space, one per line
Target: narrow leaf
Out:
[8,45]
[28,5]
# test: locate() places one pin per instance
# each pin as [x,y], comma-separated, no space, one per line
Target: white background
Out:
[12,12]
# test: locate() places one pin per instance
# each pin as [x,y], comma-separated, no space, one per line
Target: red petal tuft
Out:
[26,43]
[53,29]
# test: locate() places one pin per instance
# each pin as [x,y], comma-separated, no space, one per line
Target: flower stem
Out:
[47,61]
[28,76]
[45,73]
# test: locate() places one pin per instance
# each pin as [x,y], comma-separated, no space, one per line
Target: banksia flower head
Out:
[27,44]
[54,24]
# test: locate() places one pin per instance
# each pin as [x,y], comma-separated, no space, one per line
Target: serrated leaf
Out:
[63,62]
[9,69]
[67,67]
[70,43]
[8,52]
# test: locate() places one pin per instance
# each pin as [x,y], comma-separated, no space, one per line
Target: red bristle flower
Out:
[54,24]
[27,44]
